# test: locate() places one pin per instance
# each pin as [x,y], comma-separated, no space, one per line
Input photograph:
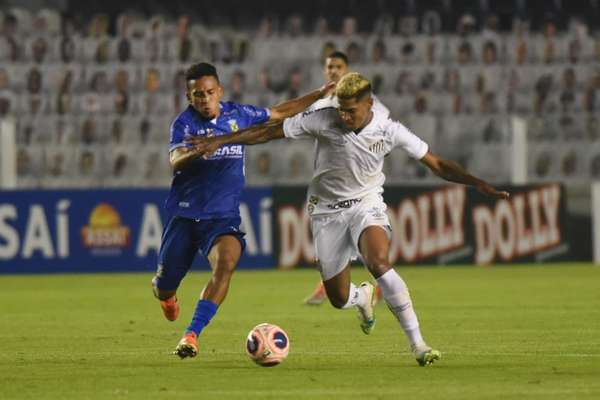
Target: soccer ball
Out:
[267,345]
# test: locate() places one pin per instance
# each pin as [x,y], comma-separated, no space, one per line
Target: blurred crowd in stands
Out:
[93,98]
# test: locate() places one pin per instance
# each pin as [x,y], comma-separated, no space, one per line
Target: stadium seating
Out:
[107,94]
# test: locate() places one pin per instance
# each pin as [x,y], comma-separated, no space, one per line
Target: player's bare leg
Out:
[375,247]
[342,293]
[223,258]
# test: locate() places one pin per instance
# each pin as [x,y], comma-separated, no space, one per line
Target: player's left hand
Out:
[205,146]
[327,89]
[489,190]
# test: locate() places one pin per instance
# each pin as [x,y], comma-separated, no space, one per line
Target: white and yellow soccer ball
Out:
[267,345]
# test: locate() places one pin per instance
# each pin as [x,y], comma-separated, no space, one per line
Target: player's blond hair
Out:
[352,85]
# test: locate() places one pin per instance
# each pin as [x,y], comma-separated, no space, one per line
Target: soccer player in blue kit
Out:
[203,204]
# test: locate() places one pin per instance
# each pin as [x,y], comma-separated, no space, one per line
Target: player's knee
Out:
[165,284]
[378,263]
[337,302]
[338,299]
[225,264]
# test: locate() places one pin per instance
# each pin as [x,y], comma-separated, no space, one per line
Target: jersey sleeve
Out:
[256,115]
[303,125]
[178,131]
[400,136]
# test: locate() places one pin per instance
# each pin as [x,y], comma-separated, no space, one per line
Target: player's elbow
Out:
[175,164]
[434,163]
[178,158]
[174,159]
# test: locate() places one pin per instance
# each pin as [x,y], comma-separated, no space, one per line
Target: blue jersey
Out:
[211,188]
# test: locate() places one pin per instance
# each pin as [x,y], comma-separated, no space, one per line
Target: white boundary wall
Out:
[518,170]
[8,151]
[595,212]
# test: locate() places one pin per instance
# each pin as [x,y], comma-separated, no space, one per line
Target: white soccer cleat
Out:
[425,355]
[366,314]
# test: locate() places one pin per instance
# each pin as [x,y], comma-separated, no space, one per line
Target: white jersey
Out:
[349,166]
[332,101]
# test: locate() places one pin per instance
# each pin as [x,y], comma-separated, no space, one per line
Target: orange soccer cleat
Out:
[378,295]
[317,297]
[170,308]
[187,346]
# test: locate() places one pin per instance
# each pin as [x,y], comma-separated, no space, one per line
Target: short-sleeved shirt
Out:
[211,188]
[349,165]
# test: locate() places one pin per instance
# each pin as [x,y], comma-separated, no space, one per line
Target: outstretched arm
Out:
[453,172]
[257,134]
[294,106]
[181,156]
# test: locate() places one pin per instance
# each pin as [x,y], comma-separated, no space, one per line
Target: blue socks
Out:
[205,310]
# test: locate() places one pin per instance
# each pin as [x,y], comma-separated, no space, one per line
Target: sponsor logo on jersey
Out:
[231,151]
[377,213]
[343,204]
[233,125]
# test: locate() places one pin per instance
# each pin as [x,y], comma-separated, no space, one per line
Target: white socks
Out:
[396,294]
[356,297]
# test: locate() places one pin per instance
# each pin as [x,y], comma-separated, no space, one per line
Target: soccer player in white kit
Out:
[336,66]
[347,211]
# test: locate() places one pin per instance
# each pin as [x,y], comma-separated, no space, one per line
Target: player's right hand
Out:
[327,89]
[489,190]
[204,146]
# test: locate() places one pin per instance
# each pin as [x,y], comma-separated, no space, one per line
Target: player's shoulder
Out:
[184,118]
[381,117]
[323,112]
[379,106]
[323,103]
[392,128]
[321,118]
[383,123]
[232,107]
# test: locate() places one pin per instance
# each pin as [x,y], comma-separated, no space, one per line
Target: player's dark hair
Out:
[199,70]
[340,55]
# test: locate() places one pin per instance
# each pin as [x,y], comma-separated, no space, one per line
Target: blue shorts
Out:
[181,240]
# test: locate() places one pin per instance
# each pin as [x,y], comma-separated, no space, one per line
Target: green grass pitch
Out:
[519,332]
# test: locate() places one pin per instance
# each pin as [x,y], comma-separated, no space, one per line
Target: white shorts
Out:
[336,235]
